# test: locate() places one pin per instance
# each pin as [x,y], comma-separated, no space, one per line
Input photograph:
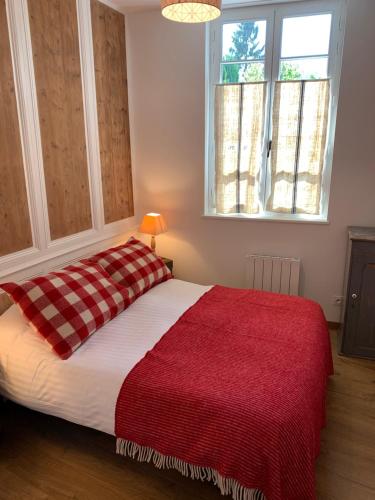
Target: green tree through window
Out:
[289,72]
[245,46]
[245,42]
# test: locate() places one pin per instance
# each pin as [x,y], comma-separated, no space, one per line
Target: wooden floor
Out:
[45,458]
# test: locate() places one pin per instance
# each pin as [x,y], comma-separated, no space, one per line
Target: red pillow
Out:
[67,306]
[134,264]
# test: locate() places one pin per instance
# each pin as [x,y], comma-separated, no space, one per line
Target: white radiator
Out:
[273,274]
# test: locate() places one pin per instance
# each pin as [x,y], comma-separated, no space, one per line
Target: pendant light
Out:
[191,11]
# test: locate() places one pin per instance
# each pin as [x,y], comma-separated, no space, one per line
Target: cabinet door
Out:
[359,333]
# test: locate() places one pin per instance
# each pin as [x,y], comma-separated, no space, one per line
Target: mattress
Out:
[84,388]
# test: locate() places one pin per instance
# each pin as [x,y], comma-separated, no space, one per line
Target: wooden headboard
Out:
[65,151]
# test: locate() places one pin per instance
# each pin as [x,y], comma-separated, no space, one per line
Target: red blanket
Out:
[233,392]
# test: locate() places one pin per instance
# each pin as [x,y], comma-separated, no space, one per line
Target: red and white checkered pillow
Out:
[134,264]
[67,306]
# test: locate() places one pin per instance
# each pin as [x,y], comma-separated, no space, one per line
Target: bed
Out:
[32,375]
[222,384]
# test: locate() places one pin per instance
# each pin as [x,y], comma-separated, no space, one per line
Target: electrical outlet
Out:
[337,300]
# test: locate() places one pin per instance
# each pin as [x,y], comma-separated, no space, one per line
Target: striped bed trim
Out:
[227,486]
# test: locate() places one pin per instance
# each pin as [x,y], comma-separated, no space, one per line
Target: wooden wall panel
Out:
[15,229]
[108,28]
[55,42]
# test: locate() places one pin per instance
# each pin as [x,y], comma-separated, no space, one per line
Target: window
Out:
[273,78]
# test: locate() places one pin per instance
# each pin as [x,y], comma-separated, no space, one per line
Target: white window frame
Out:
[274,15]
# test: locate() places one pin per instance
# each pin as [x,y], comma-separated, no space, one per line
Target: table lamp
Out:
[153,224]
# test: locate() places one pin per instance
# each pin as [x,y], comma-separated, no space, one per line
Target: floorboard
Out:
[42,457]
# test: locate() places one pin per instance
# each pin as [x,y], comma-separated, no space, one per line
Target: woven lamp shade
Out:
[191,11]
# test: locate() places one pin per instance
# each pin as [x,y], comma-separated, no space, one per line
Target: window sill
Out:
[300,219]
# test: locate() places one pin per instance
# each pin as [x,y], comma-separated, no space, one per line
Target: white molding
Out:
[253,3]
[80,239]
[73,239]
[90,112]
[119,226]
[277,218]
[131,111]
[60,260]
[22,58]
[47,254]
[30,263]
[7,261]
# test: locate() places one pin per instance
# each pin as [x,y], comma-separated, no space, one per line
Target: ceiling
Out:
[132,5]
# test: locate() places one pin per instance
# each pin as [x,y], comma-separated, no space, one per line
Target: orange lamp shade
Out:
[153,224]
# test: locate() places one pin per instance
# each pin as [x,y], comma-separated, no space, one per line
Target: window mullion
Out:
[298,145]
[212,53]
[265,174]
[238,187]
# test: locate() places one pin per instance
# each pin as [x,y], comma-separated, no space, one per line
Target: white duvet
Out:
[84,388]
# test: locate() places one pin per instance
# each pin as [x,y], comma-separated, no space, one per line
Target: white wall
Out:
[166,85]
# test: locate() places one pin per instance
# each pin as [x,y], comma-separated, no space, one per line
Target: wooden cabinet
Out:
[358,330]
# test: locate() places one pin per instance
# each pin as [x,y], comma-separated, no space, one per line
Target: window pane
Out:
[285,124]
[239,128]
[242,73]
[244,41]
[312,147]
[299,121]
[306,36]
[312,68]
[227,139]
[252,128]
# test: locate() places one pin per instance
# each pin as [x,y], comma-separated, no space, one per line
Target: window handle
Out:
[269,148]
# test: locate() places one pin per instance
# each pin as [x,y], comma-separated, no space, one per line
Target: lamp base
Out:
[153,244]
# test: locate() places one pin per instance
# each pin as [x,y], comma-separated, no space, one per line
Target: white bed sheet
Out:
[84,388]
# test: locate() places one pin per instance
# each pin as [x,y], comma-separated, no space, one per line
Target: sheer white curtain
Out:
[299,123]
[239,128]
[299,134]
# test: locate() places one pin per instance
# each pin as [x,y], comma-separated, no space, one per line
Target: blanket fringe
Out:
[227,486]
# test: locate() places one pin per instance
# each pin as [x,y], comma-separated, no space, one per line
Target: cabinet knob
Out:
[354,296]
